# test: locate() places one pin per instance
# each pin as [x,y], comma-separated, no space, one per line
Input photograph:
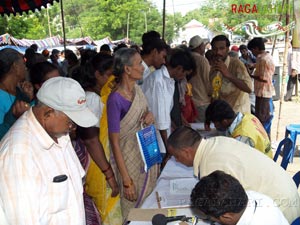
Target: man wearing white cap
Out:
[200,81]
[41,176]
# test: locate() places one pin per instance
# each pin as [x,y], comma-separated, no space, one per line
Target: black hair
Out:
[55,52]
[149,36]
[181,57]
[256,43]
[119,46]
[219,193]
[102,62]
[136,47]
[29,52]
[38,72]
[219,110]
[183,137]
[209,54]
[33,59]
[86,55]
[71,56]
[85,75]
[34,47]
[220,38]
[243,47]
[105,47]
[7,58]
[155,43]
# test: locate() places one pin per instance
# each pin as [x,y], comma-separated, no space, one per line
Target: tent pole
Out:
[63,23]
[280,17]
[164,20]
[285,66]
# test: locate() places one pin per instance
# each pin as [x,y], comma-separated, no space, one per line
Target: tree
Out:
[117,18]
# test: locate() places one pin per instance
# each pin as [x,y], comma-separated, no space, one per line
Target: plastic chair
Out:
[292,130]
[296,221]
[296,178]
[286,146]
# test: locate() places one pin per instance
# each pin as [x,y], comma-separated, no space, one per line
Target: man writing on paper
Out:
[254,170]
[223,199]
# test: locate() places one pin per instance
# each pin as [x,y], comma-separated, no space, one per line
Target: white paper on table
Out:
[204,133]
[183,186]
[178,194]
[200,126]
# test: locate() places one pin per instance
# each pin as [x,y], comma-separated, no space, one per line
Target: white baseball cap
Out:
[195,42]
[66,95]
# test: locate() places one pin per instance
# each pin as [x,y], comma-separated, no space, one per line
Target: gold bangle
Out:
[129,185]
[107,169]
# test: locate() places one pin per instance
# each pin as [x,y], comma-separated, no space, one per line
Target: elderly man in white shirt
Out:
[160,85]
[41,176]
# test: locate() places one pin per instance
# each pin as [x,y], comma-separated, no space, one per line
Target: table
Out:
[173,171]
[204,133]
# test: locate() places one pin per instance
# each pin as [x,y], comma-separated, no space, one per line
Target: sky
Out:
[182,6]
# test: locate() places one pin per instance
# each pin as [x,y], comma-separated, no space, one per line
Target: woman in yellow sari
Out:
[97,185]
[127,109]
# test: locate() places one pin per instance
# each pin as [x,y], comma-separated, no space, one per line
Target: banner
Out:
[253,29]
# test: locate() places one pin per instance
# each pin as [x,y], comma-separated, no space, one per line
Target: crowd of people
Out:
[69,152]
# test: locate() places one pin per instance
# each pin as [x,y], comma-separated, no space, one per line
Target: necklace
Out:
[127,94]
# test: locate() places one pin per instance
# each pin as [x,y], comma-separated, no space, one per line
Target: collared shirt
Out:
[261,210]
[254,171]
[238,119]
[265,69]
[29,161]
[159,89]
[147,72]
[238,99]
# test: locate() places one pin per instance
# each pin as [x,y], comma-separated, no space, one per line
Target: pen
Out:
[158,199]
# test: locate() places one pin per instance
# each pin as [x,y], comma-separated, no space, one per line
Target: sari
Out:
[144,181]
[96,185]
[92,216]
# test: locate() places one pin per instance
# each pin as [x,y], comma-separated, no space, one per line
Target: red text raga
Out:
[247,8]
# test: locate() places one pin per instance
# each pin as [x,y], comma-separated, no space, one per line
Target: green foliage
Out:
[118,19]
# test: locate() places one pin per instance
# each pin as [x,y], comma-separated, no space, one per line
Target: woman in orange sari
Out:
[127,109]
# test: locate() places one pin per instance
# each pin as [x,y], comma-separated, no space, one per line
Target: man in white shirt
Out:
[160,85]
[254,170]
[154,52]
[41,176]
[222,198]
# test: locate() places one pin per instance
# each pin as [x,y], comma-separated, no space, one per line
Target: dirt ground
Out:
[290,114]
